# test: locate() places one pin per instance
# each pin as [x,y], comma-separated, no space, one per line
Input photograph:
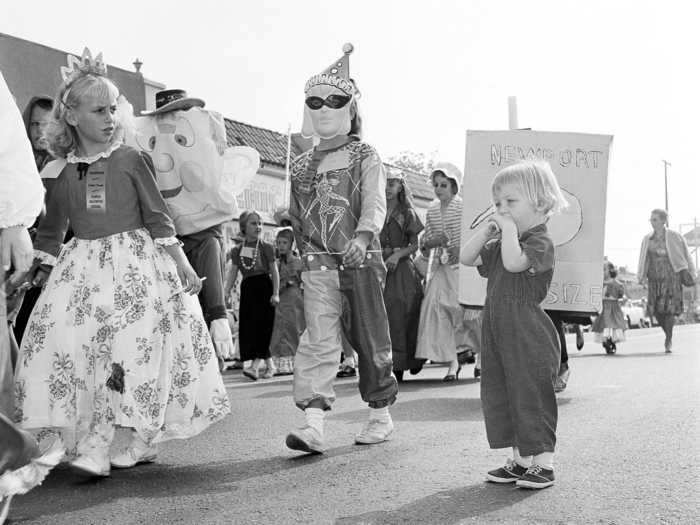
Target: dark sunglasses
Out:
[331,101]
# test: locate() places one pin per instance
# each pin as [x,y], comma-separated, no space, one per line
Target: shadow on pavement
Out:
[433,409]
[342,387]
[152,481]
[348,386]
[447,507]
[621,353]
[414,385]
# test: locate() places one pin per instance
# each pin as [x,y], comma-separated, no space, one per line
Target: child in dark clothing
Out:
[289,317]
[520,358]
[609,327]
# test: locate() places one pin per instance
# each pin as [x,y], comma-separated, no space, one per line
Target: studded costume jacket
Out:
[337,190]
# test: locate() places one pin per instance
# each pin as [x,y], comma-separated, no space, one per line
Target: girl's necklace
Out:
[254,258]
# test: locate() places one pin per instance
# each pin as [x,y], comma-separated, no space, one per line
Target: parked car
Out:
[635,314]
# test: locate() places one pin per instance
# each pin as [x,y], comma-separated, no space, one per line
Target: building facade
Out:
[267,192]
[32,69]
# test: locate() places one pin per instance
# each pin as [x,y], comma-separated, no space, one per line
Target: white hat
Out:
[450,171]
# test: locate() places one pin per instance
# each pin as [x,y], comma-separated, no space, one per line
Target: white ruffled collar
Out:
[74,159]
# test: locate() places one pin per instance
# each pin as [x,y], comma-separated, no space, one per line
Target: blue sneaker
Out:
[509,473]
[536,477]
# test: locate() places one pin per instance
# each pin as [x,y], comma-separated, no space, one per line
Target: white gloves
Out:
[222,337]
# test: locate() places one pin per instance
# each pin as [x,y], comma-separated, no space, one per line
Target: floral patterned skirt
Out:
[113,340]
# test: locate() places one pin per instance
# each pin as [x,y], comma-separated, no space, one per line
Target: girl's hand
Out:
[16,249]
[40,278]
[392,261]
[355,252]
[490,230]
[502,221]
[439,239]
[453,252]
[275,299]
[190,280]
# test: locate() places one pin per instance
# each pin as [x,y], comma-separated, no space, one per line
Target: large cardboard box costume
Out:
[199,177]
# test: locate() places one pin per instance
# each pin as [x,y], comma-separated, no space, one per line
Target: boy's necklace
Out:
[254,257]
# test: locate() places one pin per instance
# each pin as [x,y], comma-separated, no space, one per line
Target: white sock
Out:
[545,459]
[314,418]
[380,414]
[520,460]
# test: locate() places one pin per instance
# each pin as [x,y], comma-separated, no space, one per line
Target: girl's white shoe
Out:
[91,465]
[136,453]
[131,457]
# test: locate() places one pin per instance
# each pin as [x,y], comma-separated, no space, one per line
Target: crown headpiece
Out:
[336,75]
[84,65]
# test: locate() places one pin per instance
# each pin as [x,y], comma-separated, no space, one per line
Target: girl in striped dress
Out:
[441,316]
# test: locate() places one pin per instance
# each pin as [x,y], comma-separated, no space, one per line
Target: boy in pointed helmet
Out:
[338,206]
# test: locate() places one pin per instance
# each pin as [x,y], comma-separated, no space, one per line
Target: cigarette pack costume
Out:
[338,189]
[520,354]
[199,178]
[112,339]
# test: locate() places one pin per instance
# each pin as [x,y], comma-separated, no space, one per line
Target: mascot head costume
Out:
[197,173]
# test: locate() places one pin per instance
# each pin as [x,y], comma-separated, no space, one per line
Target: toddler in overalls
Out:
[338,206]
[520,352]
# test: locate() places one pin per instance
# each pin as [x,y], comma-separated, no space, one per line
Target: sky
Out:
[428,71]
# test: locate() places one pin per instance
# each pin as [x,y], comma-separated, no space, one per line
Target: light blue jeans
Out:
[349,300]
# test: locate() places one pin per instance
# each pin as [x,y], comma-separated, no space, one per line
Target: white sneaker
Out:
[134,455]
[306,439]
[91,465]
[251,373]
[375,431]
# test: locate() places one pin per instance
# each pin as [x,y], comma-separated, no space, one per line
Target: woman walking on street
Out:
[664,261]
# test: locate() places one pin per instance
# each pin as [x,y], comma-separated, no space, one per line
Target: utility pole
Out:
[666,165]
[512,112]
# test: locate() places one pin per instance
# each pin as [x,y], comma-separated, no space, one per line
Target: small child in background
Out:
[255,259]
[609,326]
[289,317]
[520,352]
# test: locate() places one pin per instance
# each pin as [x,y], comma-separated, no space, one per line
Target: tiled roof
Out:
[693,237]
[271,145]
[417,182]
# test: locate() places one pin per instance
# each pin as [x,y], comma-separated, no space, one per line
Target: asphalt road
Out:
[628,452]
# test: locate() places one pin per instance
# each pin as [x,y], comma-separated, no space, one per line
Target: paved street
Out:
[628,451]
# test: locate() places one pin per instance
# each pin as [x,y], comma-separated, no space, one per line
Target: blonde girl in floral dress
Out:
[116,338]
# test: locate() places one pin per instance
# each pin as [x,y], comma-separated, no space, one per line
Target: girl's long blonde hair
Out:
[61,137]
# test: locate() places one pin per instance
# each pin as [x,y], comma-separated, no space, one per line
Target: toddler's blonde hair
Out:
[537,182]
